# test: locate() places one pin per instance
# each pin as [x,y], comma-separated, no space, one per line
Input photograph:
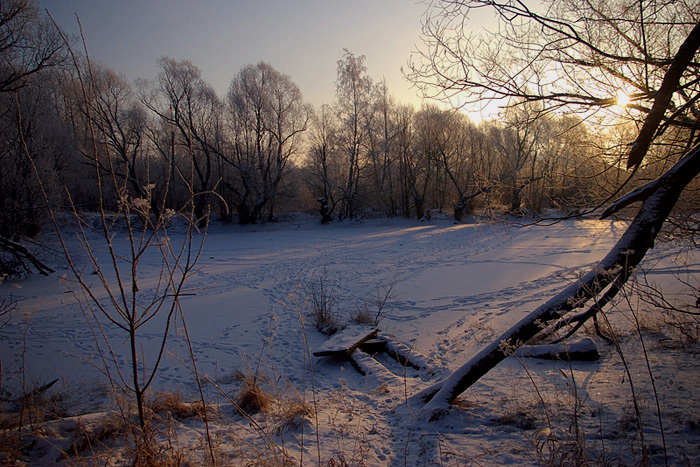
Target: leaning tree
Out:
[583,56]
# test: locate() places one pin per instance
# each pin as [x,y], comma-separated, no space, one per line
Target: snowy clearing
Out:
[456,287]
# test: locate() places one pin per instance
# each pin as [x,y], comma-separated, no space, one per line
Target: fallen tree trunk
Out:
[20,253]
[658,199]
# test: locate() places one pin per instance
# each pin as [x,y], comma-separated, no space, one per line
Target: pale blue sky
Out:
[301,38]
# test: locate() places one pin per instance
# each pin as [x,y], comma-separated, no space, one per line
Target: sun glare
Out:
[622,98]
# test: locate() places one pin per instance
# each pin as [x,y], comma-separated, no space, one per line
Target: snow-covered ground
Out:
[455,287]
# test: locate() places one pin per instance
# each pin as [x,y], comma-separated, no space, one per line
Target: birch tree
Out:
[353,108]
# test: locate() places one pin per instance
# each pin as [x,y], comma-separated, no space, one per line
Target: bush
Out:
[322,304]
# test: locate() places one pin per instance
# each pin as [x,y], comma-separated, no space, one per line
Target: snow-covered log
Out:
[368,366]
[658,199]
[409,356]
[55,440]
[584,350]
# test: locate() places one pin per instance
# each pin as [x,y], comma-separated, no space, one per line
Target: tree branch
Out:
[680,63]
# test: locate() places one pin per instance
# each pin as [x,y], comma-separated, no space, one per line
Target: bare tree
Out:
[453,143]
[572,54]
[28,44]
[600,285]
[322,166]
[381,132]
[419,161]
[267,117]
[118,122]
[183,100]
[406,168]
[446,138]
[21,213]
[117,299]
[571,170]
[30,47]
[517,146]
[353,108]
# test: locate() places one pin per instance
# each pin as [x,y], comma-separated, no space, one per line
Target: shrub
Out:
[322,304]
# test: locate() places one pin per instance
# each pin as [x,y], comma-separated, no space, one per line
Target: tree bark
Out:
[658,197]
[669,86]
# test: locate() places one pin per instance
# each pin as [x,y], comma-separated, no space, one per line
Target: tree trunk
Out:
[658,197]
[244,214]
[418,202]
[325,211]
[201,209]
[465,205]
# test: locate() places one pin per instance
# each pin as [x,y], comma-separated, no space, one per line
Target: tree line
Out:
[99,140]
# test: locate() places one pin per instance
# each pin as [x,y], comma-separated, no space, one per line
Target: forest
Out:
[260,150]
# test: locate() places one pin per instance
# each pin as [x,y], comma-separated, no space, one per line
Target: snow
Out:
[458,286]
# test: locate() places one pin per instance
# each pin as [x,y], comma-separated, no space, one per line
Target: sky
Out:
[301,38]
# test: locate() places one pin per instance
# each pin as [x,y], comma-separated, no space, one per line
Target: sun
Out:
[622,98]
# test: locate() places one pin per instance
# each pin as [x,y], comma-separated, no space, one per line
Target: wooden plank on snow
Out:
[346,341]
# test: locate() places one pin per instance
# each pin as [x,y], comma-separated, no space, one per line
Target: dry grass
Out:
[41,426]
[293,414]
[148,452]
[522,418]
[336,461]
[253,398]
[363,315]
[33,409]
[371,311]
[78,440]
[321,302]
[163,403]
